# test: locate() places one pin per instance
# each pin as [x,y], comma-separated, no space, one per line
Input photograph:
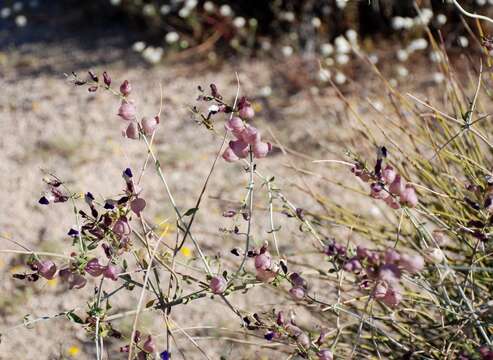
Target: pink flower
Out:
[125,88]
[392,203]
[397,186]
[297,293]
[240,148]
[391,256]
[132,131]
[149,346]
[263,261]
[325,354]
[380,290]
[412,263]
[127,110]
[46,269]
[149,125]
[94,268]
[409,197]
[250,135]
[393,297]
[111,272]
[389,273]
[389,174]
[247,112]
[121,227]
[353,265]
[261,149]
[218,284]
[229,155]
[235,125]
[378,191]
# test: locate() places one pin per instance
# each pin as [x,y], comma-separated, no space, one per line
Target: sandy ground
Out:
[49,125]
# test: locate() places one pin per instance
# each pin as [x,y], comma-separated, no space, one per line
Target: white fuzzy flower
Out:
[463,41]
[402,71]
[417,44]
[436,56]
[352,36]
[324,75]
[438,77]
[239,22]
[209,6]
[266,91]
[287,51]
[340,78]
[441,19]
[481,2]
[172,37]
[165,9]
[342,59]
[316,22]
[342,45]
[402,55]
[225,10]
[20,20]
[327,49]
[288,16]
[153,54]
[397,23]
[184,12]
[373,58]
[191,4]
[5,12]
[139,46]
[149,10]
[341,4]
[115,2]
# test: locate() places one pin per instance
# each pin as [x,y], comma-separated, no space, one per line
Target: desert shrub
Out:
[411,281]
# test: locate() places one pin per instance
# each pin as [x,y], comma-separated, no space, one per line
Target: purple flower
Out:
[164,355]
[111,272]
[297,293]
[132,131]
[94,268]
[218,284]
[229,155]
[137,205]
[263,261]
[46,269]
[127,111]
[149,125]
[125,88]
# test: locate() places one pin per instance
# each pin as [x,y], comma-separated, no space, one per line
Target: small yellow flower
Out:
[73,351]
[257,106]
[186,251]
[52,282]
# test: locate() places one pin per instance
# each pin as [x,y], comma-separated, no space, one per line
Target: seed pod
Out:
[46,269]
[149,125]
[263,261]
[297,293]
[397,186]
[137,205]
[127,111]
[247,112]
[94,268]
[389,174]
[261,149]
[409,197]
[132,131]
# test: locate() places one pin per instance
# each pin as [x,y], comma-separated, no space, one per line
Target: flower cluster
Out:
[379,271]
[387,185]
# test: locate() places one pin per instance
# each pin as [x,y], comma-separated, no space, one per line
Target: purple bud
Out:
[149,125]
[362,252]
[94,268]
[164,355]
[389,273]
[263,261]
[297,280]
[46,269]
[247,112]
[269,336]
[391,256]
[218,284]
[127,111]
[149,346]
[106,79]
[353,265]
[380,290]
[132,131]
[137,205]
[393,297]
[297,293]
[280,318]
[125,88]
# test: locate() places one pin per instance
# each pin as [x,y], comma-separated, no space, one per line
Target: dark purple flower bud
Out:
[297,280]
[164,355]
[106,79]
[125,88]
[280,318]
[43,200]
[94,268]
[111,272]
[218,284]
[137,205]
[149,345]
[93,76]
[362,252]
[127,174]
[46,269]
[269,336]
[108,205]
[73,233]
